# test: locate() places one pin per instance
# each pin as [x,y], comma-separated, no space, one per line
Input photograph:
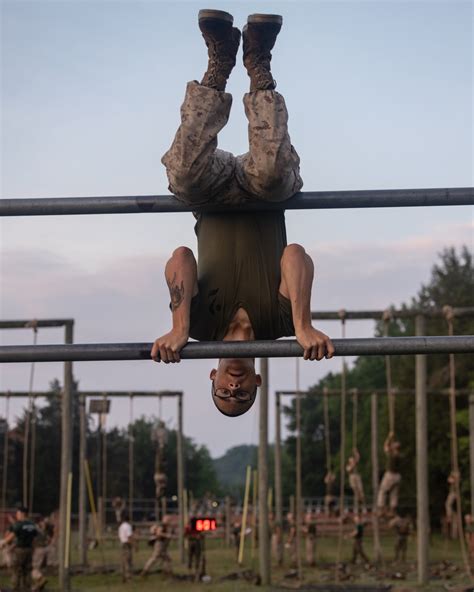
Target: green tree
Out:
[451,283]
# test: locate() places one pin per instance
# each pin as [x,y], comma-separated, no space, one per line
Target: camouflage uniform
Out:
[199,173]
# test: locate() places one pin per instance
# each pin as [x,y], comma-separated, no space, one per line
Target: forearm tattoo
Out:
[176,292]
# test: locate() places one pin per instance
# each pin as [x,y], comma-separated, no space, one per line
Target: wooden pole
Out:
[180,469]
[263,531]
[471,448]
[375,475]
[278,484]
[422,499]
[243,526]
[82,481]
[228,520]
[66,465]
[254,514]
[299,563]
[131,442]
[103,418]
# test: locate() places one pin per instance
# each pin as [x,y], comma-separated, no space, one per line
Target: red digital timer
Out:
[203,524]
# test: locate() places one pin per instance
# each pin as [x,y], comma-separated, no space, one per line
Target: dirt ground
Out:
[446,571]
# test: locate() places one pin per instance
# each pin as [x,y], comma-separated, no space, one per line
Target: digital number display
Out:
[203,524]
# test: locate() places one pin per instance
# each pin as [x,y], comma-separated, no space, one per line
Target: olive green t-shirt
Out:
[393,463]
[239,267]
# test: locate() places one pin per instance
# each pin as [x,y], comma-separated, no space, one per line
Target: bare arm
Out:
[388,441]
[181,277]
[297,272]
[8,538]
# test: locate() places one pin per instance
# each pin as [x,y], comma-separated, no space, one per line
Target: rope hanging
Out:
[355,398]
[327,436]
[34,325]
[387,317]
[449,315]
[342,468]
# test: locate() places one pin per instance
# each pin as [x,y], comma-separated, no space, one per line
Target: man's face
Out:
[235,385]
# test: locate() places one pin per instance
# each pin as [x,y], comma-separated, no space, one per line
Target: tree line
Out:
[451,283]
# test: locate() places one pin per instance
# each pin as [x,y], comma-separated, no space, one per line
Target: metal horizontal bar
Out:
[146,204]
[236,349]
[90,394]
[27,324]
[377,315]
[368,392]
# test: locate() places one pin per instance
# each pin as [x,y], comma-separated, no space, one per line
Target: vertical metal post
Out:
[471,448]
[278,484]
[422,500]
[375,473]
[131,442]
[82,481]
[180,470]
[299,562]
[5,456]
[263,534]
[66,465]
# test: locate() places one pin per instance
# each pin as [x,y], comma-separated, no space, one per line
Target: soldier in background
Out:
[355,481]
[329,498]
[161,536]
[196,556]
[22,532]
[125,534]
[358,536]
[291,540]
[40,551]
[390,484]
[402,526]
[309,530]
[450,504]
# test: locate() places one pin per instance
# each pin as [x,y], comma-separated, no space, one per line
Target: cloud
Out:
[127,300]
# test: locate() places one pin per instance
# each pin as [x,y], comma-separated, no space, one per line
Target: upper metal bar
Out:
[87,394]
[146,204]
[28,324]
[236,349]
[376,315]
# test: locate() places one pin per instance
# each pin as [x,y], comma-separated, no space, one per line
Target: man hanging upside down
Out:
[248,283]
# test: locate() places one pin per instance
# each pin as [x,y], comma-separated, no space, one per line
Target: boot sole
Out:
[265,18]
[219,15]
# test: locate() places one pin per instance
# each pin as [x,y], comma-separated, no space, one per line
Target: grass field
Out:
[221,562]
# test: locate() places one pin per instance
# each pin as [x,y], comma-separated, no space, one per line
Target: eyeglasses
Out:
[241,396]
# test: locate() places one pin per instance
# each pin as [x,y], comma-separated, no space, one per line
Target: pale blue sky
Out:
[379,95]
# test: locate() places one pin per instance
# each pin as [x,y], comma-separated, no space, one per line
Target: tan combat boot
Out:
[259,36]
[222,40]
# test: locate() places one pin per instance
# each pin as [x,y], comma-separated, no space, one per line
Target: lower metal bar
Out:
[143,204]
[236,349]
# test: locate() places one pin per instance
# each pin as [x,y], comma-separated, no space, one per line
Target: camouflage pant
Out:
[401,548]
[21,577]
[40,555]
[199,173]
[355,481]
[126,561]
[389,485]
[358,551]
